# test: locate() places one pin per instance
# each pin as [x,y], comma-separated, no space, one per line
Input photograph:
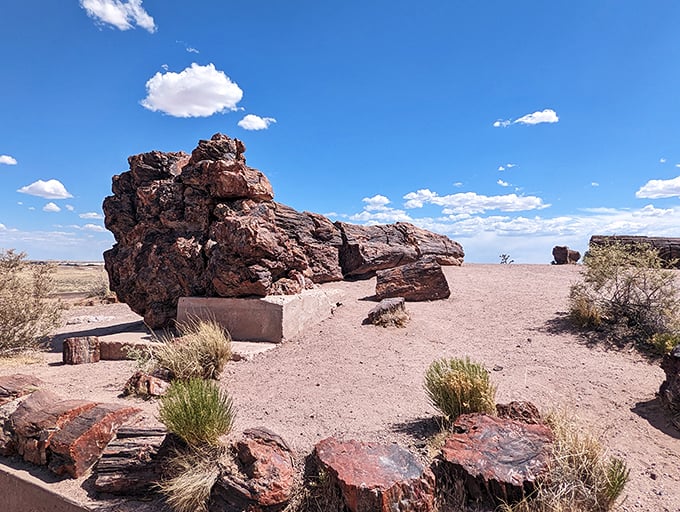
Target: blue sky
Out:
[509,126]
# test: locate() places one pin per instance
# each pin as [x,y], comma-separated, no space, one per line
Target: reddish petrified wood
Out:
[669,392]
[421,280]
[81,350]
[377,478]
[519,410]
[498,459]
[14,386]
[38,418]
[81,441]
[263,478]
[132,463]
[144,384]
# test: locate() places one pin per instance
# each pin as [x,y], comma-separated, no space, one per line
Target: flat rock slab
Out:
[498,459]
[17,385]
[121,346]
[81,441]
[377,478]
[274,318]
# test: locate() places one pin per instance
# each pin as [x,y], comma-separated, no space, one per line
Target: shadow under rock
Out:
[57,341]
[657,415]
[419,429]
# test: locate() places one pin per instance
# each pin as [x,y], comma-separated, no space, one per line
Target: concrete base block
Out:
[273,318]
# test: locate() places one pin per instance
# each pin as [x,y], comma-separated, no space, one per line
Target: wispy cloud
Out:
[51,207]
[119,14]
[473,203]
[594,184]
[253,122]
[662,160]
[540,116]
[91,215]
[503,183]
[7,160]
[69,207]
[197,91]
[50,189]
[656,189]
[94,227]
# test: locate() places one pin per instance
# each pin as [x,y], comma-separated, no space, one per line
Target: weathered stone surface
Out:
[132,463]
[562,255]
[418,281]
[670,388]
[668,248]
[120,349]
[377,478]
[38,418]
[81,350]
[206,226]
[385,310]
[144,384]
[498,459]
[263,479]
[81,441]
[14,386]
[519,410]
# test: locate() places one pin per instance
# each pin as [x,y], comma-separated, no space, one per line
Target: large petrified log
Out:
[418,281]
[668,248]
[81,350]
[206,224]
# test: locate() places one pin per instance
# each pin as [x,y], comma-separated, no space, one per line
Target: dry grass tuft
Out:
[581,477]
[193,472]
[459,386]
[398,318]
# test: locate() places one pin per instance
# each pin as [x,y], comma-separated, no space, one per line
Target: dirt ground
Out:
[358,381]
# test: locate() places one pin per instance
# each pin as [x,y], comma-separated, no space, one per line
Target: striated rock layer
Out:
[206,224]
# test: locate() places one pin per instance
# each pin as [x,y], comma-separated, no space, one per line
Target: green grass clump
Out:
[201,351]
[459,386]
[198,411]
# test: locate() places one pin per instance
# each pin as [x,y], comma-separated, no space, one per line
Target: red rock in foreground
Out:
[498,459]
[17,385]
[377,478]
[206,225]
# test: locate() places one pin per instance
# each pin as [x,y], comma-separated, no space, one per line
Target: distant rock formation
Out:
[668,248]
[562,255]
[206,224]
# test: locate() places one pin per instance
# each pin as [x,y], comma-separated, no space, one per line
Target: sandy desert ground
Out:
[364,382]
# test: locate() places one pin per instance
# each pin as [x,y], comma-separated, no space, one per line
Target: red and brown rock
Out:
[562,255]
[206,225]
[519,410]
[669,392]
[144,384]
[497,459]
[81,441]
[81,350]
[377,478]
[421,280]
[17,385]
[38,418]
[263,479]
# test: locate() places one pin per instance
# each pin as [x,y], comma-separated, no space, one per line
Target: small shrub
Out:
[627,290]
[581,476]
[197,411]
[664,343]
[193,472]
[27,315]
[505,259]
[201,351]
[457,386]
[398,318]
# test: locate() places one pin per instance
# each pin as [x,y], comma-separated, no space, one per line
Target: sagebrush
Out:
[198,411]
[628,291]
[459,386]
[27,314]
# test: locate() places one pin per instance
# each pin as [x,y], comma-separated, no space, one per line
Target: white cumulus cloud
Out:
[69,207]
[197,91]
[253,122]
[662,160]
[657,189]
[51,207]
[471,202]
[122,15]
[91,215]
[8,160]
[50,189]
[377,202]
[503,183]
[540,116]
[94,227]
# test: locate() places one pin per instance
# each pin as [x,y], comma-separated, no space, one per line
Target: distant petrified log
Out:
[81,350]
[668,248]
[418,281]
[562,255]
[205,225]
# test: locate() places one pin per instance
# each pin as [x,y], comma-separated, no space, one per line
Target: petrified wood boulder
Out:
[497,459]
[377,478]
[262,477]
[670,388]
[81,350]
[562,255]
[17,385]
[205,224]
[418,281]
[668,248]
